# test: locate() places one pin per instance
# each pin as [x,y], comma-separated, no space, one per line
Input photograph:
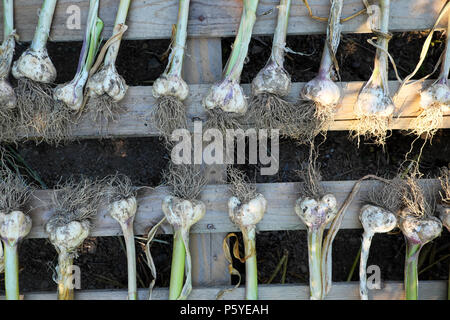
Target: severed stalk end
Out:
[182,213]
[419,229]
[249,213]
[167,85]
[273,79]
[316,213]
[323,91]
[14,226]
[107,81]
[375,219]
[228,96]
[35,65]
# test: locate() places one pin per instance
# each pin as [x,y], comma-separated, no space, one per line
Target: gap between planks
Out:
[390,290]
[153,19]
[136,121]
[279,215]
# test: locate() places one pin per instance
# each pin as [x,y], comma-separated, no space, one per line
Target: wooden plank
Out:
[392,290]
[153,19]
[136,121]
[280,213]
[203,64]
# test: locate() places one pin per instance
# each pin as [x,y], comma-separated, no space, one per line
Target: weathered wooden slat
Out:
[136,121]
[153,19]
[428,290]
[280,214]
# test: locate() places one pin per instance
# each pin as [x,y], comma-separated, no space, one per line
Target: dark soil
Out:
[102,260]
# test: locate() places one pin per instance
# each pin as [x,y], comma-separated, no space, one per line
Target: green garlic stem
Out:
[367,240]
[128,235]
[43,28]
[279,37]
[315,237]
[8,18]
[235,63]
[175,65]
[93,45]
[445,67]
[121,18]
[411,274]
[379,75]
[177,269]
[65,280]
[11,271]
[251,268]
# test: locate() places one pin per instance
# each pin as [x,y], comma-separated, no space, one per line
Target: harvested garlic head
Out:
[107,81]
[7,96]
[444,215]
[182,213]
[227,95]
[419,230]
[436,94]
[124,210]
[323,91]
[68,237]
[376,219]
[272,79]
[316,213]
[249,213]
[167,85]
[373,101]
[71,93]
[14,226]
[35,65]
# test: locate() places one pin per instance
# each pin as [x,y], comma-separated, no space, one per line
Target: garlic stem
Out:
[315,236]
[128,235]
[43,28]
[365,248]
[279,37]
[8,18]
[175,65]
[411,274]
[379,75]
[251,268]
[235,63]
[65,281]
[445,67]
[11,270]
[177,268]
[121,17]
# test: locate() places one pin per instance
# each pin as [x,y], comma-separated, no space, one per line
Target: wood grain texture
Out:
[280,213]
[137,121]
[428,290]
[153,19]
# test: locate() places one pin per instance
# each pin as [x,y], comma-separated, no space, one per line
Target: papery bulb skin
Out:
[167,85]
[71,93]
[436,94]
[373,101]
[444,215]
[228,96]
[419,230]
[316,213]
[68,237]
[124,210]
[249,213]
[7,96]
[14,226]
[35,65]
[376,219]
[272,79]
[107,81]
[322,90]
[182,213]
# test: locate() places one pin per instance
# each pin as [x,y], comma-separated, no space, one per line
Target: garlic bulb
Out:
[68,237]
[316,213]
[181,213]
[107,81]
[35,65]
[274,79]
[249,213]
[228,96]
[14,226]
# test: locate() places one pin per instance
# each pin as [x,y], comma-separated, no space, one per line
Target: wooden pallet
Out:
[209,22]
